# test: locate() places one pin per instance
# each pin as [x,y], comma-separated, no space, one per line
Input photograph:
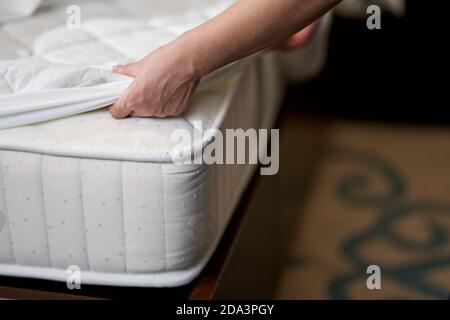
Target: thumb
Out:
[119,109]
[127,70]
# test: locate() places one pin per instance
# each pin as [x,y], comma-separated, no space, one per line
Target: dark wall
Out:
[397,73]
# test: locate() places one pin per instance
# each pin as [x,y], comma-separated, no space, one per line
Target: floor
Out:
[378,195]
[365,166]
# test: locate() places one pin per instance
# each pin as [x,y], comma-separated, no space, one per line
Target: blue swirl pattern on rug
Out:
[355,190]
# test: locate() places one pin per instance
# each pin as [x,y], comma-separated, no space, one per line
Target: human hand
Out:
[163,83]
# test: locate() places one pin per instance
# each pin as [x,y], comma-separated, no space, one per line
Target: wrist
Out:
[193,54]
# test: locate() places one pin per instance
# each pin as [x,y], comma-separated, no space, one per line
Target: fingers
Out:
[134,103]
[119,110]
[129,70]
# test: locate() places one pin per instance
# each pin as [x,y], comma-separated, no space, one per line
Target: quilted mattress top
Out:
[54,80]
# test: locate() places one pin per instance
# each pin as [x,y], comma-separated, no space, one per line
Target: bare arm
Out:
[248,27]
[167,77]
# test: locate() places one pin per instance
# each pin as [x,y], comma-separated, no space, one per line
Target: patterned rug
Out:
[380,198]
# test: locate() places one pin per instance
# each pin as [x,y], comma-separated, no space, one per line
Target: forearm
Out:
[247,27]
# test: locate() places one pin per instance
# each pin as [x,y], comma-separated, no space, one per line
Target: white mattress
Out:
[102,194]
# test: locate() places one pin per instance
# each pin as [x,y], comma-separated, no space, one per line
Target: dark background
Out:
[398,73]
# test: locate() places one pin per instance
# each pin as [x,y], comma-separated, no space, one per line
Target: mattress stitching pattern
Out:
[83,213]
[44,213]
[123,216]
[49,245]
[95,33]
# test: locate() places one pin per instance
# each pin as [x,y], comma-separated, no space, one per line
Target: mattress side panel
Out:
[23,186]
[188,213]
[143,218]
[245,114]
[101,184]
[64,211]
[104,216]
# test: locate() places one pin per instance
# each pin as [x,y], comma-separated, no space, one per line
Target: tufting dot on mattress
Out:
[69,255]
[103,204]
[49,227]
[28,198]
[63,222]
[145,261]
[25,219]
[139,229]
[121,254]
[11,243]
[65,201]
[143,207]
[100,225]
[106,259]
[33,252]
